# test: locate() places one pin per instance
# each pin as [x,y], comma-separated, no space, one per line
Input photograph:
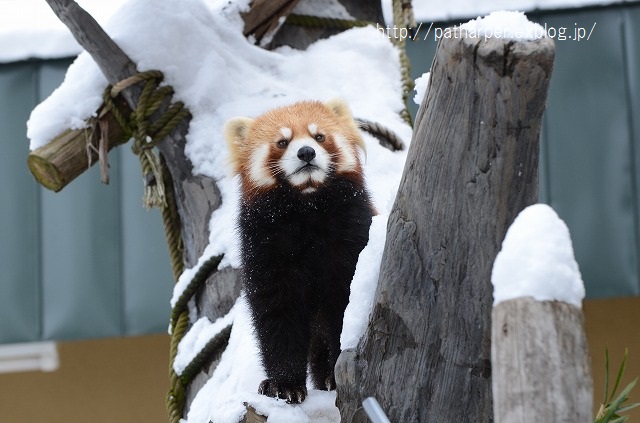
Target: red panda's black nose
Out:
[306,154]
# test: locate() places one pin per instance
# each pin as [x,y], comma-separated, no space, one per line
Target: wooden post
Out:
[541,365]
[471,168]
[67,156]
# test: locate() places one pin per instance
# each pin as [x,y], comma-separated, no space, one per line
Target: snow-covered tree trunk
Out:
[472,166]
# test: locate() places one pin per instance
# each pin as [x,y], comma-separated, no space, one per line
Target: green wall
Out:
[86,262]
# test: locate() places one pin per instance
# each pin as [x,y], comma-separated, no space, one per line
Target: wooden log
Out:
[541,364]
[471,168]
[264,18]
[57,163]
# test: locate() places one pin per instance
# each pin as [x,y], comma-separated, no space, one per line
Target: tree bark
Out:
[541,364]
[471,168]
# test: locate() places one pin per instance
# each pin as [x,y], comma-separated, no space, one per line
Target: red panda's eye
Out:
[283,143]
[319,137]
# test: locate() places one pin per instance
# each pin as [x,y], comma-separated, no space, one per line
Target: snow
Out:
[537,260]
[503,24]
[219,75]
[235,381]
[364,284]
[420,87]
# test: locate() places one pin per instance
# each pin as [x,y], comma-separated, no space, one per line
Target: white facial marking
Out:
[258,170]
[308,190]
[297,171]
[313,128]
[348,159]
[286,133]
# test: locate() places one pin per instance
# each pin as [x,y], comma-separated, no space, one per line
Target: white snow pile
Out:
[199,46]
[503,24]
[421,84]
[537,260]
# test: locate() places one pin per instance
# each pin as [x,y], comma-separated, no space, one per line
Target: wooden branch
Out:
[541,364]
[57,163]
[112,61]
[471,168]
[264,17]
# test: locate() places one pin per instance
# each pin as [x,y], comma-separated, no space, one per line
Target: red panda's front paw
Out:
[293,394]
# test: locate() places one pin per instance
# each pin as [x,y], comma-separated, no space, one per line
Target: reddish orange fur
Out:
[245,135]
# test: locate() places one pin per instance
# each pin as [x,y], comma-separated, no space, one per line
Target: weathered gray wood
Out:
[301,37]
[541,364]
[263,19]
[471,167]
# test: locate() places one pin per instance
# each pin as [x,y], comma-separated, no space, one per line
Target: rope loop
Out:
[147,135]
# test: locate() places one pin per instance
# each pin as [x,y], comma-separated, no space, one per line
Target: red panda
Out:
[303,218]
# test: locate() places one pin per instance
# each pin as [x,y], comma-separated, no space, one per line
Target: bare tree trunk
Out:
[472,167]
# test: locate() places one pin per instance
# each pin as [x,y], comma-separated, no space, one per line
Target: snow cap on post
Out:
[503,24]
[537,260]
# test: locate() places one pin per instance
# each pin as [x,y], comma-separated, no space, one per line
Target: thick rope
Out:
[196,282]
[146,134]
[179,326]
[322,22]
[211,352]
[158,190]
[403,18]
[387,137]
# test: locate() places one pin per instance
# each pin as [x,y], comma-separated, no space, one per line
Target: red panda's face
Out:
[300,145]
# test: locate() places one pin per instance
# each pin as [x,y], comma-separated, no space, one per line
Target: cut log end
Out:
[46,173]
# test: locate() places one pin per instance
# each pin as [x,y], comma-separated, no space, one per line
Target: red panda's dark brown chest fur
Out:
[302,226]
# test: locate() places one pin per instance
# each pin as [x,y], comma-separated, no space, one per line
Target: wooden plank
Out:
[471,168]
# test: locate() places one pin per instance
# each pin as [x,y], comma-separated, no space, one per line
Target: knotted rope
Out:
[147,134]
[403,18]
[158,190]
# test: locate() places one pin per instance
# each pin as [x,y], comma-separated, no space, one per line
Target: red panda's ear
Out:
[339,107]
[236,131]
